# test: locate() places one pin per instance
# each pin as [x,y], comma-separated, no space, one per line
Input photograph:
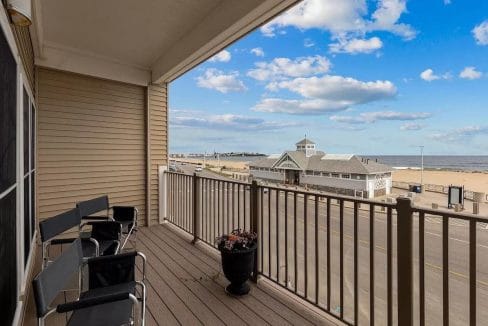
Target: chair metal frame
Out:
[71,306]
[100,204]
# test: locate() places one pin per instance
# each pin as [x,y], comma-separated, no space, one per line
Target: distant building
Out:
[345,174]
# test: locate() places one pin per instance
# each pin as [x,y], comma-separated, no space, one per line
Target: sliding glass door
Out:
[8,182]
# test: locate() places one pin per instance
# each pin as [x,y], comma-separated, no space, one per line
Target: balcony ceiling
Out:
[141,41]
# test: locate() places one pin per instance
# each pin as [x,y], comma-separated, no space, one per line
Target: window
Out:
[316,173]
[346,176]
[335,175]
[8,182]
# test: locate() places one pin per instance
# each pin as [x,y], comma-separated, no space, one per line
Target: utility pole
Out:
[422,168]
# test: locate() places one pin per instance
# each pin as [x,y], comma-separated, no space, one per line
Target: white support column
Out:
[163,189]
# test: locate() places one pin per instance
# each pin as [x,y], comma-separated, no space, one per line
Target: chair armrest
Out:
[97,218]
[62,241]
[90,302]
[110,258]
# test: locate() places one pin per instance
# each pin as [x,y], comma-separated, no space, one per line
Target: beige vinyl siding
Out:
[91,142]
[24,44]
[158,142]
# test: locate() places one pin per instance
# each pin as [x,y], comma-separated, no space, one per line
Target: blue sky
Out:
[356,76]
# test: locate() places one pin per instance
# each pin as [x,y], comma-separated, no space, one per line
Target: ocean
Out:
[448,162]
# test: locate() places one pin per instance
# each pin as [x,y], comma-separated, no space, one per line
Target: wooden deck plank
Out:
[227,308]
[203,304]
[214,283]
[268,315]
[268,307]
[285,305]
[166,294]
[157,308]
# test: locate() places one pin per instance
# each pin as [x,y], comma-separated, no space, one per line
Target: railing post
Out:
[163,193]
[254,225]
[405,261]
[195,200]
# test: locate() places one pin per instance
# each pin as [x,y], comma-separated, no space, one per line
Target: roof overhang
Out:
[141,42]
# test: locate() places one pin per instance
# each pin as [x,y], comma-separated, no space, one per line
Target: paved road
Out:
[274,248]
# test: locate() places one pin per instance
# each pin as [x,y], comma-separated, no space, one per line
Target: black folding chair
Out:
[125,215]
[103,238]
[111,297]
[94,307]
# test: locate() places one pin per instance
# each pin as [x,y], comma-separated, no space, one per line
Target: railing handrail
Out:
[446,213]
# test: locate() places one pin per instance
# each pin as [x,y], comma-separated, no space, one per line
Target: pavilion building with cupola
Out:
[344,174]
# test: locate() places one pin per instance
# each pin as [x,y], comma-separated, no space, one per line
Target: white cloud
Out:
[325,94]
[222,56]
[429,75]
[220,81]
[386,17]
[460,133]
[470,73]
[230,122]
[411,126]
[371,117]
[344,16]
[356,45]
[480,33]
[258,52]
[302,106]
[346,90]
[280,68]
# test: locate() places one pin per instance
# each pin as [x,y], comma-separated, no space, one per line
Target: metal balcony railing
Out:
[353,258]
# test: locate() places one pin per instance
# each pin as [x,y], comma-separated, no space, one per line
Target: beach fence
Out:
[478,197]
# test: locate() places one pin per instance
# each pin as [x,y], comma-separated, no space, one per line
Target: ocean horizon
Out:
[445,162]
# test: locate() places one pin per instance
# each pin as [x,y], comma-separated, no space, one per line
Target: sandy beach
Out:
[234,165]
[474,181]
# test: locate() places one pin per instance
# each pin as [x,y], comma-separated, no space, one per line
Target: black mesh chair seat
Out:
[108,314]
[99,209]
[128,287]
[107,247]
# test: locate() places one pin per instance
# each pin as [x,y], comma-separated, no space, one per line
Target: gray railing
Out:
[355,259]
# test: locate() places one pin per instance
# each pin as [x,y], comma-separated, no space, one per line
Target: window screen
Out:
[8,86]
[8,253]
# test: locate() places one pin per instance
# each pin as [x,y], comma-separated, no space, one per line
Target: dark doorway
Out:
[292,177]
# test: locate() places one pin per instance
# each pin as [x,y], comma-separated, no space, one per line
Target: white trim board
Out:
[66,59]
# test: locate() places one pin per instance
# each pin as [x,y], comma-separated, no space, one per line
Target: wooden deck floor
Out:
[186,287]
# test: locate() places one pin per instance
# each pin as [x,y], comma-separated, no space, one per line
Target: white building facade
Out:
[336,173]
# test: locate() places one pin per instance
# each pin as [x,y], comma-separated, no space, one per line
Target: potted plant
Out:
[237,249]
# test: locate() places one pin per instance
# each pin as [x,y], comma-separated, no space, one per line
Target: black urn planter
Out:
[238,266]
